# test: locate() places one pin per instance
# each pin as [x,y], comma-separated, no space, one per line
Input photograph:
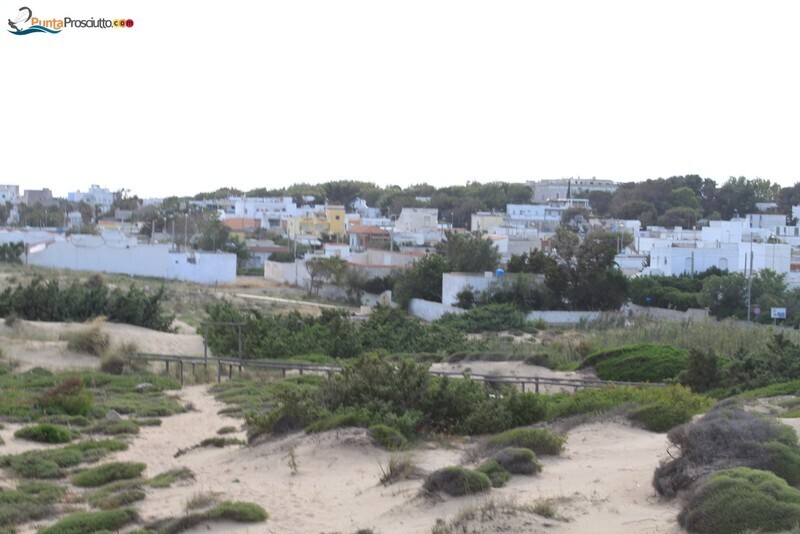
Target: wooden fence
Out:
[225,367]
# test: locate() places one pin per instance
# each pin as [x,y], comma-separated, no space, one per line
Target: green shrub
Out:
[88,522]
[68,396]
[739,500]
[103,474]
[115,428]
[30,466]
[497,474]
[117,494]
[784,461]
[638,363]
[487,318]
[243,512]
[388,437]
[94,340]
[663,415]
[226,430]
[703,371]
[526,408]
[539,440]
[346,418]
[44,433]
[456,481]
[167,478]
[599,400]
[518,461]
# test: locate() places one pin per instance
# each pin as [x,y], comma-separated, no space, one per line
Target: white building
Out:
[270,210]
[9,193]
[95,196]
[547,190]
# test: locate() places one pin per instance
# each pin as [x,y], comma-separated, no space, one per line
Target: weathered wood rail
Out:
[225,367]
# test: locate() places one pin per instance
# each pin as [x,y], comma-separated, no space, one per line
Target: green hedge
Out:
[638,363]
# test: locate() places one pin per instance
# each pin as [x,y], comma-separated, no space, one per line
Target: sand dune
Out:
[600,484]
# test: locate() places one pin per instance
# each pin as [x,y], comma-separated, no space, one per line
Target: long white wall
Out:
[143,260]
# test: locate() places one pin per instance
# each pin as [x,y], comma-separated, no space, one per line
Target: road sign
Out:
[757,310]
[778,313]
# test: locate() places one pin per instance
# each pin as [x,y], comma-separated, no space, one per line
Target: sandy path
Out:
[515,368]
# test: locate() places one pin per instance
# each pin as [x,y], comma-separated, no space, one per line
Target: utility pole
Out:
[750,279]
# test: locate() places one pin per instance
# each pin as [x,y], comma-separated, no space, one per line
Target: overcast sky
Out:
[200,95]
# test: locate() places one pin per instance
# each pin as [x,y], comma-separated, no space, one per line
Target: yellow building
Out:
[331,223]
[335,217]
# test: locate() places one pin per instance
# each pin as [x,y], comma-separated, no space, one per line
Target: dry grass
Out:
[203,499]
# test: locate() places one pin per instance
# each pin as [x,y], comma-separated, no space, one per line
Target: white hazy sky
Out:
[200,95]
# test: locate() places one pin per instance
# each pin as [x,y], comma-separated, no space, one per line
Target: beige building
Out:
[417,220]
[486,222]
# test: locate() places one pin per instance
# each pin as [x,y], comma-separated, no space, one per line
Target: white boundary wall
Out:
[158,261]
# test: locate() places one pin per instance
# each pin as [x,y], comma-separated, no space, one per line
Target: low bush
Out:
[167,478]
[669,405]
[220,442]
[226,430]
[388,437]
[456,481]
[117,494]
[518,461]
[115,428]
[227,511]
[94,340]
[638,363]
[728,437]
[67,397]
[87,522]
[51,463]
[28,502]
[526,408]
[44,433]
[242,512]
[539,440]
[497,474]
[343,419]
[110,472]
[741,500]
[488,318]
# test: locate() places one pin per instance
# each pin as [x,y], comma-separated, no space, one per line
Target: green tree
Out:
[725,295]
[325,270]
[421,280]
[585,276]
[215,236]
[469,253]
